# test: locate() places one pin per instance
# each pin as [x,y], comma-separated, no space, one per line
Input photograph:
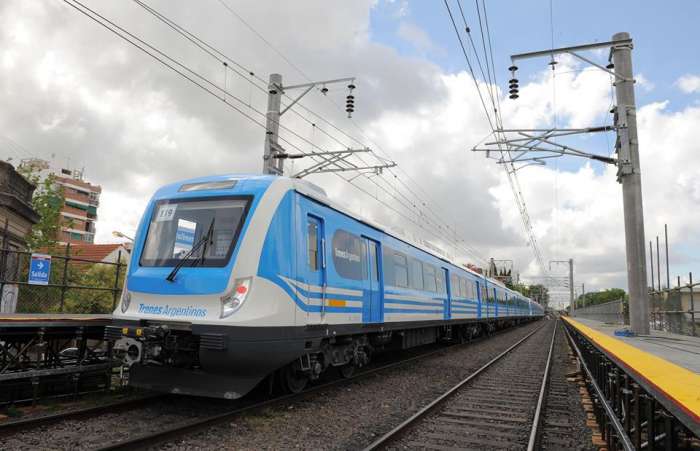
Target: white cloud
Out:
[689,84]
[136,126]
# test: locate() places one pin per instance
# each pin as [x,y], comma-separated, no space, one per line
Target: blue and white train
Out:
[236,278]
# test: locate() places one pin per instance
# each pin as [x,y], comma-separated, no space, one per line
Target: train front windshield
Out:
[202,231]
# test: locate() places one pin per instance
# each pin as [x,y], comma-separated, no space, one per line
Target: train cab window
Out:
[415,274]
[429,283]
[202,231]
[400,270]
[312,244]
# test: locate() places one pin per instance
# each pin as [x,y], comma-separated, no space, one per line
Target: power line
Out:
[213,89]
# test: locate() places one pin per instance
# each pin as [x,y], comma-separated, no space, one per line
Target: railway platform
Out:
[647,387]
[46,355]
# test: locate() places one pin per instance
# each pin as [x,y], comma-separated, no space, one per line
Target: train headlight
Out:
[126,300]
[232,301]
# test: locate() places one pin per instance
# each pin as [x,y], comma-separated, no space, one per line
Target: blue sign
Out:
[39,269]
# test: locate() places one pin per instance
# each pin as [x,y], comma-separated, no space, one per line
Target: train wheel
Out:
[347,370]
[294,381]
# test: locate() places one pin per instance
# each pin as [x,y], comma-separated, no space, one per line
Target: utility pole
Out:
[271,165]
[631,179]
[583,294]
[571,284]
[534,146]
[668,271]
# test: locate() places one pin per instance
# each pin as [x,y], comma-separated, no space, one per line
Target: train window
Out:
[388,266]
[472,289]
[429,283]
[312,244]
[440,279]
[202,231]
[400,270]
[416,274]
[462,288]
[349,255]
[454,285]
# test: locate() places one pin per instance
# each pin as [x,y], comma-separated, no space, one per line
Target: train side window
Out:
[462,288]
[454,285]
[440,279]
[416,274]
[429,283]
[349,253]
[312,244]
[400,270]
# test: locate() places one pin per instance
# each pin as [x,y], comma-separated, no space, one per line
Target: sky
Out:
[75,93]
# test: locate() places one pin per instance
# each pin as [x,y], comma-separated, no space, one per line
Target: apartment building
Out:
[79,212]
[81,199]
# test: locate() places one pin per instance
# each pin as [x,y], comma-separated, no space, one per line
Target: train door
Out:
[444,291]
[496,301]
[316,276]
[372,310]
[478,299]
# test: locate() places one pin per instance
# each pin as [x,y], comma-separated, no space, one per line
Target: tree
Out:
[47,201]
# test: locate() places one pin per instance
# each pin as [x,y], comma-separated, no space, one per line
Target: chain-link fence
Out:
[613,312]
[70,284]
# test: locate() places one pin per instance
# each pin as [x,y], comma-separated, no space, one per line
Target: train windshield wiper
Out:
[202,242]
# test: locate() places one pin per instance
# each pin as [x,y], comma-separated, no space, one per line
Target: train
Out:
[239,279]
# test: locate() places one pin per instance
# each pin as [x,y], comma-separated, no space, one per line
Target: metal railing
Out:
[75,284]
[673,309]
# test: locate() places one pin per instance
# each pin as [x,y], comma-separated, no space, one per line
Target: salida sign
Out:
[39,269]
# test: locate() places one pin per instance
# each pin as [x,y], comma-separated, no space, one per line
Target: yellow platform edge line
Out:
[678,383]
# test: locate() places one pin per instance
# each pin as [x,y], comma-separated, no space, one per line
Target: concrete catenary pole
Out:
[571,284]
[273,166]
[668,271]
[631,186]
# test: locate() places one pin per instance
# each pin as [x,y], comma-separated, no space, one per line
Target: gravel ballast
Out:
[354,415]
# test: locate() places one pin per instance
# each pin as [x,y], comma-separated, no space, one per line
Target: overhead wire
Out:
[219,93]
[510,173]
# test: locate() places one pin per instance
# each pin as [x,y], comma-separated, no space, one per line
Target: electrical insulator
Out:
[350,100]
[324,90]
[513,83]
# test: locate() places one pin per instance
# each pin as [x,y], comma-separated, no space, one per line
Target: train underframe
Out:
[228,362]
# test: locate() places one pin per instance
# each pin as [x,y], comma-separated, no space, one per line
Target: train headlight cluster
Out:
[126,300]
[232,301]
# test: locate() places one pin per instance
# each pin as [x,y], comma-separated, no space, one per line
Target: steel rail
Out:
[622,436]
[12,427]
[399,430]
[155,438]
[534,441]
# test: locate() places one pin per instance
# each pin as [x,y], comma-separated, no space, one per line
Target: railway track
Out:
[152,439]
[149,439]
[13,427]
[561,425]
[499,406]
